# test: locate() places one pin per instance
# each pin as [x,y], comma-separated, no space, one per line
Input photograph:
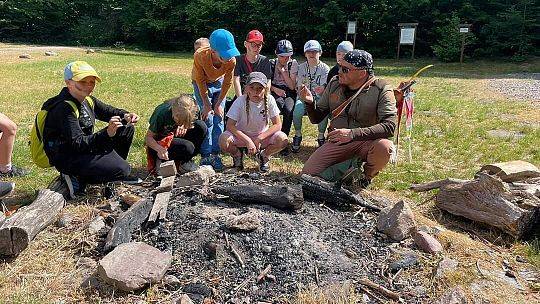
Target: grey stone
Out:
[427,243]
[90,51]
[406,260]
[397,221]
[171,280]
[198,177]
[64,220]
[245,222]
[295,243]
[266,249]
[25,56]
[184,299]
[51,53]
[132,266]
[167,168]
[454,296]
[445,265]
[520,259]
[96,225]
[504,134]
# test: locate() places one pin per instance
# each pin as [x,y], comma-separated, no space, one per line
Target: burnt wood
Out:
[318,190]
[280,196]
[127,222]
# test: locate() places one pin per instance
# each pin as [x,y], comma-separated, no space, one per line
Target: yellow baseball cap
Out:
[77,70]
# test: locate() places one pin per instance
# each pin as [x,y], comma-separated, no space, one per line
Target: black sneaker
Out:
[264,162]
[132,180]
[75,186]
[14,172]
[297,140]
[285,151]
[321,141]
[6,188]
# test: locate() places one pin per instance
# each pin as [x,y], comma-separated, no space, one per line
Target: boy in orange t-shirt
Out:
[212,76]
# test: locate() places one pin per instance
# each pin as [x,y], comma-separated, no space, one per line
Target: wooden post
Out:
[463,30]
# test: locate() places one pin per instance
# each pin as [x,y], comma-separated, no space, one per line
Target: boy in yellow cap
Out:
[81,155]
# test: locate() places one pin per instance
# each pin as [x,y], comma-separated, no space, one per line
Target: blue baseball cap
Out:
[222,41]
[312,45]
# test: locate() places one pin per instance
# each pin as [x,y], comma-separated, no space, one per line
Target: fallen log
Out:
[318,190]
[18,230]
[512,171]
[490,201]
[127,222]
[436,184]
[282,197]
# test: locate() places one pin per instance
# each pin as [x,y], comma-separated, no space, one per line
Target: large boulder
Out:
[397,221]
[132,266]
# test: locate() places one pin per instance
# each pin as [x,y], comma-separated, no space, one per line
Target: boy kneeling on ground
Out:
[79,154]
[174,134]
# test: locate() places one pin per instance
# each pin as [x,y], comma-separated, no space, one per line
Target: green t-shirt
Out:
[161,121]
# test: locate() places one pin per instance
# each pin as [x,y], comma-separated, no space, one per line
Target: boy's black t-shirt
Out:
[244,67]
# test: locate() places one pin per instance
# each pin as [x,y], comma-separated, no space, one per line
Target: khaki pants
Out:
[374,153]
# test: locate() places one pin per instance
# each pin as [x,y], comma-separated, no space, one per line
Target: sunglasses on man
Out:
[346,70]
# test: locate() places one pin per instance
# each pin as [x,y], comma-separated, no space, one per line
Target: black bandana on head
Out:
[360,59]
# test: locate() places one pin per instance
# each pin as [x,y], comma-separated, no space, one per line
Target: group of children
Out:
[205,122]
[264,88]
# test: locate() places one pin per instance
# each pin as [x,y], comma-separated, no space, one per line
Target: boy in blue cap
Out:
[212,75]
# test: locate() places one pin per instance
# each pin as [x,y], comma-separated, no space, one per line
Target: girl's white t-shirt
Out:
[257,122]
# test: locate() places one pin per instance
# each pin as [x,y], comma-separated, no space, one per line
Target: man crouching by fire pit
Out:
[249,125]
[359,131]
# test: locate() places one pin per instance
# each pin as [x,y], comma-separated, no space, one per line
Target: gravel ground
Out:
[521,86]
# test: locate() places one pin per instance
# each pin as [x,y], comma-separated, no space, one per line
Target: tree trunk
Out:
[490,201]
[127,222]
[17,231]
[512,171]
[282,197]
[319,190]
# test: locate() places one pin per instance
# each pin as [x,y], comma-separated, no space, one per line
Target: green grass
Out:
[454,111]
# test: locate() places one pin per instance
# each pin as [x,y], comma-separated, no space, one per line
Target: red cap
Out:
[254,36]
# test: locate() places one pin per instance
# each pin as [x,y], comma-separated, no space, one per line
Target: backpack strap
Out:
[74,108]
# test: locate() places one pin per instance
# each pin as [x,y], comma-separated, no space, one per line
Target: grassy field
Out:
[454,110]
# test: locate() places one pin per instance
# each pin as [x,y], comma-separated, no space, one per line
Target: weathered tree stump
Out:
[490,201]
[436,184]
[319,190]
[282,197]
[17,231]
[512,171]
[127,222]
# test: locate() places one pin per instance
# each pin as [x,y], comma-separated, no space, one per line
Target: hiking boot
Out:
[238,161]
[206,160]
[14,172]
[75,186]
[297,140]
[264,162]
[188,166]
[6,188]
[132,180]
[217,164]
[321,141]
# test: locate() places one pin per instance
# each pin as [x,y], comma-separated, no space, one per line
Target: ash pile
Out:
[248,237]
